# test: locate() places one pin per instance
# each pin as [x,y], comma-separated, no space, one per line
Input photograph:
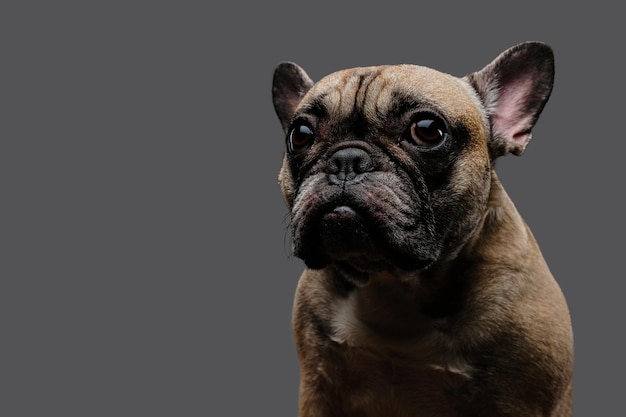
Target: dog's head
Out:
[389,167]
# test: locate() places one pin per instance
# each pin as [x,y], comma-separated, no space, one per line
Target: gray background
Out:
[145,264]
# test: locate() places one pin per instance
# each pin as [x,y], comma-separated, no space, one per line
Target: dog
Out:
[425,292]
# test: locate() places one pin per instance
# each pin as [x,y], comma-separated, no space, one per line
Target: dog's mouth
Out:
[350,245]
[349,237]
[348,233]
[375,224]
[336,232]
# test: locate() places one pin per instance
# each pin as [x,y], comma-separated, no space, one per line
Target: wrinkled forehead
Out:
[383,90]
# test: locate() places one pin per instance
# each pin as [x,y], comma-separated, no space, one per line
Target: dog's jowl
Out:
[424,293]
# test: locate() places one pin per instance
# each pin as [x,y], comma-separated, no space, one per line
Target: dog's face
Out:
[389,167]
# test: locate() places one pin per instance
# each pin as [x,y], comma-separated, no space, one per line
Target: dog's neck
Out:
[500,223]
[406,304]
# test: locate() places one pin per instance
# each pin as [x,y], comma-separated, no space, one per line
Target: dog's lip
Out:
[342,212]
[344,216]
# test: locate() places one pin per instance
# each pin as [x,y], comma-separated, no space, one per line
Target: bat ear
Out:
[514,89]
[290,84]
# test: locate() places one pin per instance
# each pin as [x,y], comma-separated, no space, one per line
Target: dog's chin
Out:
[348,242]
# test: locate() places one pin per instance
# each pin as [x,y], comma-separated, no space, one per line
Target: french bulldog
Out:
[425,292]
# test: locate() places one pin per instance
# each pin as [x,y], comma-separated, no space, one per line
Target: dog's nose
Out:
[348,164]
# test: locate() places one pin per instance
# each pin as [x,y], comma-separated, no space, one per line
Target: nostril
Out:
[350,162]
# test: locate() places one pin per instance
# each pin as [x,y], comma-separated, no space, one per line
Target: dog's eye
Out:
[427,130]
[300,138]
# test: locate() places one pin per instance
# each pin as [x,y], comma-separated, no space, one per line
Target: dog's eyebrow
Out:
[403,103]
[316,107]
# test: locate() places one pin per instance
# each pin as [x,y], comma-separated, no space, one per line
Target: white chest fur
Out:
[425,350]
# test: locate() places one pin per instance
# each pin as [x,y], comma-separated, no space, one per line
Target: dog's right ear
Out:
[290,84]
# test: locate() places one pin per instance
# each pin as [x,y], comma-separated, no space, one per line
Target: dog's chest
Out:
[374,387]
[392,378]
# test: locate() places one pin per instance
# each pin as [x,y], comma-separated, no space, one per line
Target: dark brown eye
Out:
[427,130]
[300,138]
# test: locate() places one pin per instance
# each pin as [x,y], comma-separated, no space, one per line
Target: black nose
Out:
[349,164]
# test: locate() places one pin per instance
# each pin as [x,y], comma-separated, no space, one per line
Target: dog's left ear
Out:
[514,89]
[290,84]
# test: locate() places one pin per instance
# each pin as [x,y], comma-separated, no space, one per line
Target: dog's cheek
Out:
[460,206]
[285,181]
